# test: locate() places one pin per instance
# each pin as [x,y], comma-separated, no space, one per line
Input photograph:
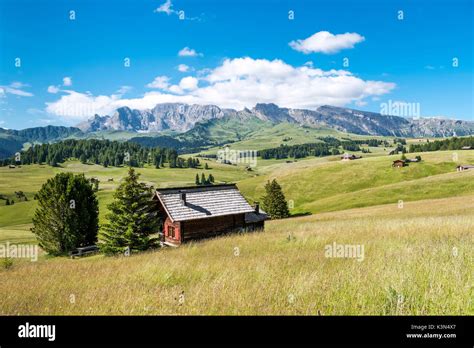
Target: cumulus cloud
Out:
[188,52]
[160,82]
[53,89]
[67,81]
[326,42]
[183,68]
[78,106]
[239,83]
[189,83]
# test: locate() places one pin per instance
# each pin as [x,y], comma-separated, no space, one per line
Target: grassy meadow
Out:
[418,257]
[417,260]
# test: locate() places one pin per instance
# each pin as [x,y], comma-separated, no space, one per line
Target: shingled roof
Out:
[203,202]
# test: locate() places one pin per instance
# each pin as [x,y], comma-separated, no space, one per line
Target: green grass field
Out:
[319,185]
[418,258]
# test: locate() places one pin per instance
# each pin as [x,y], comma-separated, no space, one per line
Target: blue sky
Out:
[238,53]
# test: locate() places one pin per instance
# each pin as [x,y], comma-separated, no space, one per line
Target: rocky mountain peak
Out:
[183,117]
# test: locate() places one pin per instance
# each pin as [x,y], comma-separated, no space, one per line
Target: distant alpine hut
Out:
[398,163]
[349,157]
[192,213]
[466,148]
[462,168]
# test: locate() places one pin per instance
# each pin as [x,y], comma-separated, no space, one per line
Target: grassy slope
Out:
[408,259]
[325,185]
[272,136]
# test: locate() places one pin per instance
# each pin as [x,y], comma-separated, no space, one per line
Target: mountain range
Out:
[193,127]
[183,117]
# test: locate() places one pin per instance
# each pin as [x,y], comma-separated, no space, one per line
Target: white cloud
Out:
[166,7]
[327,43]
[78,106]
[188,52]
[183,68]
[67,81]
[238,83]
[53,89]
[161,82]
[124,89]
[15,88]
[188,83]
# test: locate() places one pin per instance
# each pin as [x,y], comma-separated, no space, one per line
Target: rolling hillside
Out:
[417,261]
[314,185]
[319,185]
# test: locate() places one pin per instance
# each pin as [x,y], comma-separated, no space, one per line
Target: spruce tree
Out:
[197,180]
[274,202]
[67,215]
[132,218]
[203,179]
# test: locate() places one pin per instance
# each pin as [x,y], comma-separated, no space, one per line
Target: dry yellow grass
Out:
[418,260]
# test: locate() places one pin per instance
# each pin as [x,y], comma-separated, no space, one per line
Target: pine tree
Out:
[206,166]
[67,215]
[203,179]
[7,202]
[197,180]
[211,179]
[274,202]
[132,218]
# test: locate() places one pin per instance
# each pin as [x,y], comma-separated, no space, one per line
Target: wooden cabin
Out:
[192,213]
[398,163]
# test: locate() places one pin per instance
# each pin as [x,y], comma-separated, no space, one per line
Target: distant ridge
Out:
[183,117]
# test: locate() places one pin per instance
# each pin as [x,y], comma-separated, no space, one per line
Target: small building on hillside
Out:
[398,163]
[466,148]
[192,213]
[462,168]
[349,157]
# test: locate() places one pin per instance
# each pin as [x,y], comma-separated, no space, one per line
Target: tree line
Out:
[329,146]
[441,145]
[103,152]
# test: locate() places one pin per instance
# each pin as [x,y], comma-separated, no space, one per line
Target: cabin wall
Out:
[203,228]
[172,231]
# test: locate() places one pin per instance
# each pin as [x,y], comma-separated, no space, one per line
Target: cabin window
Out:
[171,231]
